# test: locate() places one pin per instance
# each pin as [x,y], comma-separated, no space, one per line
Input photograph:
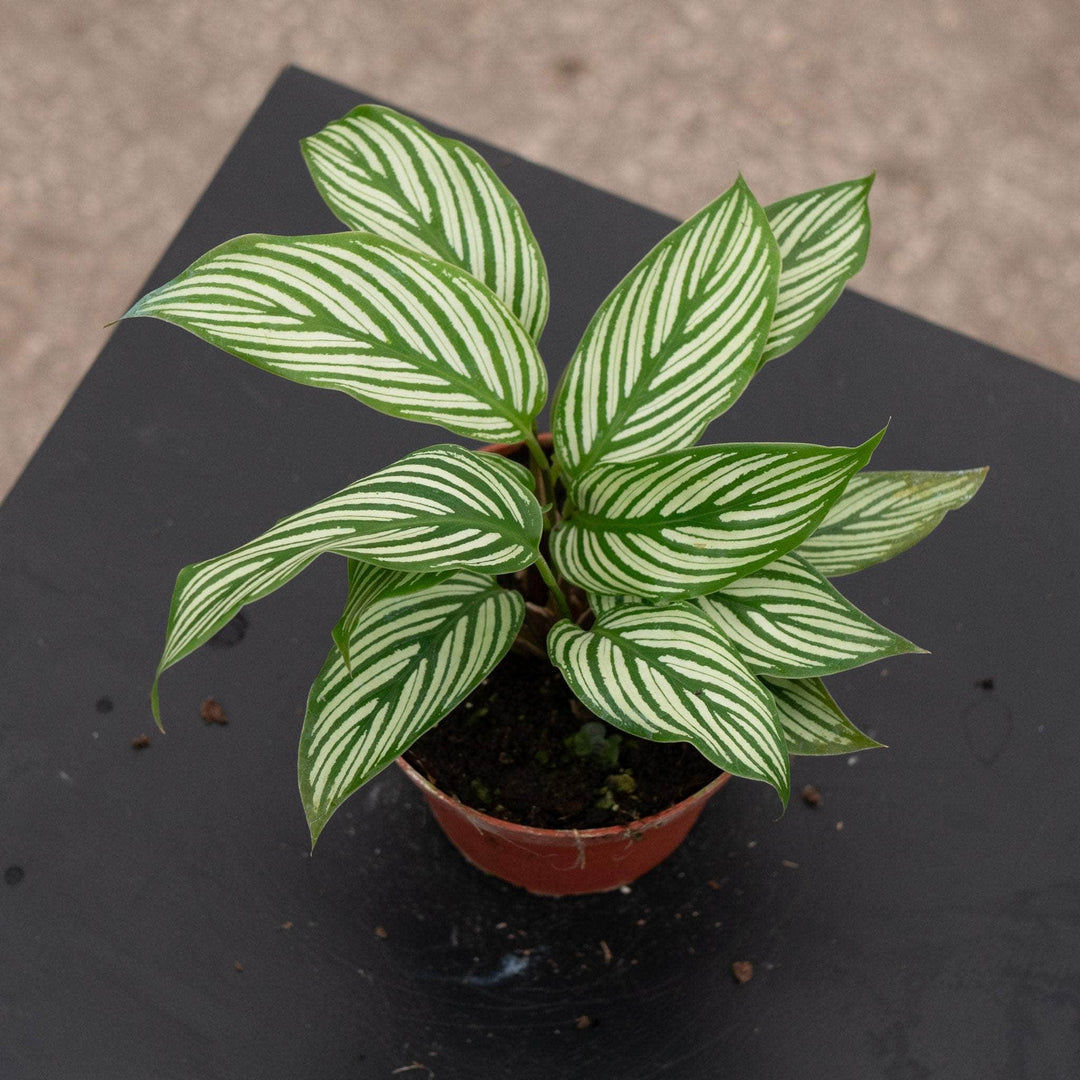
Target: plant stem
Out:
[542,495]
[553,585]
[545,477]
[537,452]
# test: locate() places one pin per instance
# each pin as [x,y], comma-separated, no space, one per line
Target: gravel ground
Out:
[115,115]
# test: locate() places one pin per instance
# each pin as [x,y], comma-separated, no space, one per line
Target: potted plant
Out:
[666,598]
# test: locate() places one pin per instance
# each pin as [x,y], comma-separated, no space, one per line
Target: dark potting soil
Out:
[517,749]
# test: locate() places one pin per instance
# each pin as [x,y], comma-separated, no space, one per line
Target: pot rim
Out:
[604,832]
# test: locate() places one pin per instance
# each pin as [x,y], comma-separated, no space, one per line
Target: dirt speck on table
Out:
[212,712]
[743,971]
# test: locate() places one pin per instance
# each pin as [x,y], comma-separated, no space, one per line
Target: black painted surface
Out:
[937,934]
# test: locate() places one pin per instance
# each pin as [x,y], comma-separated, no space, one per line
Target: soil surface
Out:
[521,748]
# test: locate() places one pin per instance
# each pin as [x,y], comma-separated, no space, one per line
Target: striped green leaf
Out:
[414,657]
[368,583]
[602,603]
[438,509]
[823,237]
[383,173]
[813,723]
[884,513]
[689,522]
[409,335]
[787,620]
[665,673]
[676,341]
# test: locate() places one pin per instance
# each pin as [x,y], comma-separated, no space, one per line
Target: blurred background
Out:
[114,116]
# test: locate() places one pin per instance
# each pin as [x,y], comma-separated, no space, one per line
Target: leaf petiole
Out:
[544,474]
[553,585]
[536,451]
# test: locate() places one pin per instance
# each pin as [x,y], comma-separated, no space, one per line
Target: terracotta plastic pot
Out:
[562,862]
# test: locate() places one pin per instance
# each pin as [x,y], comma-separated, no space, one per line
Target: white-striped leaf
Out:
[602,603]
[884,513]
[384,173]
[439,509]
[409,335]
[813,723]
[823,237]
[665,673]
[787,620]
[676,341]
[689,522]
[414,657]
[368,583]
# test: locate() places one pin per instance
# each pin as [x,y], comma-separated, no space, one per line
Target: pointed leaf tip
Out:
[315,823]
[155,704]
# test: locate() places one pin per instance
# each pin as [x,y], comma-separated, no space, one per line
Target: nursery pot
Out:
[562,862]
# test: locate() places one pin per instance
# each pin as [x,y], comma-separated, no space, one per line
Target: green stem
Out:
[542,494]
[542,468]
[553,585]
[537,452]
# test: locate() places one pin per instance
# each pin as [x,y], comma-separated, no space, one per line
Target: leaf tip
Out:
[340,635]
[316,822]
[874,441]
[905,646]
[155,705]
[783,785]
[139,308]
[741,185]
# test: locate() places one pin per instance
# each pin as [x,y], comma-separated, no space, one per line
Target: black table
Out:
[161,916]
